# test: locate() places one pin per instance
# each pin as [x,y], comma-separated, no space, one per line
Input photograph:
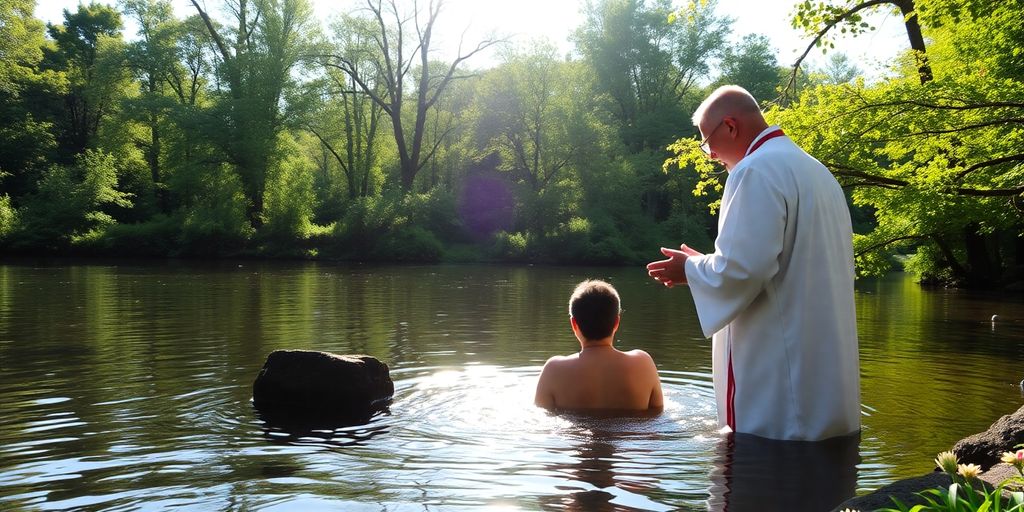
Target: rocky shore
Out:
[983,449]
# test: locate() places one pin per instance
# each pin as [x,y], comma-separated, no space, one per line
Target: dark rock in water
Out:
[985,448]
[310,384]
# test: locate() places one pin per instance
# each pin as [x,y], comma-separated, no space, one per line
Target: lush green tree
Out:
[449,129]
[270,39]
[647,59]
[820,21]
[525,108]
[91,94]
[403,46]
[153,58]
[26,142]
[753,66]
[348,121]
[289,196]
[69,207]
[839,69]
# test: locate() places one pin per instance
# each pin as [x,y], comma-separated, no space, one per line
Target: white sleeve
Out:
[746,254]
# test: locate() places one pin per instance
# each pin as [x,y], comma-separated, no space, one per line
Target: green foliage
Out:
[394,228]
[158,236]
[688,229]
[21,44]
[926,263]
[365,220]
[571,238]
[525,109]
[288,200]
[258,73]
[250,134]
[25,138]
[435,212]
[408,244]
[216,222]
[512,246]
[8,218]
[69,206]
[939,163]
[753,66]
[646,65]
[87,50]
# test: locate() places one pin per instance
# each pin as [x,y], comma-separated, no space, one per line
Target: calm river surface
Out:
[127,387]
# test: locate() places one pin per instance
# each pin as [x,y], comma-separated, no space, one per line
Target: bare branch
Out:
[348,68]
[989,163]
[437,143]
[213,32]
[882,180]
[994,192]
[482,45]
[328,146]
[853,173]
[964,106]
[791,85]
[890,241]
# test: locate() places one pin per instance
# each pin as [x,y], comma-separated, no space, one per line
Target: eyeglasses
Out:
[704,143]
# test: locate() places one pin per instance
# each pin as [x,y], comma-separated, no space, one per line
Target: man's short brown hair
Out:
[595,306]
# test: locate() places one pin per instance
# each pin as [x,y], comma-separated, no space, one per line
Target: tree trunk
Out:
[913,27]
[981,268]
[947,253]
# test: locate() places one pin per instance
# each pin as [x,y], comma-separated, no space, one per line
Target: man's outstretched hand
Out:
[670,272]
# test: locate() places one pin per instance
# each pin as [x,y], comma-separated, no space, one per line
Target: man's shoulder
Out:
[561,361]
[639,356]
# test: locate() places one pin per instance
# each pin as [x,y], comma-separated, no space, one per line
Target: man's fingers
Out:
[658,265]
[689,251]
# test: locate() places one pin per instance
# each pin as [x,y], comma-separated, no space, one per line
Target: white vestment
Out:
[777,296]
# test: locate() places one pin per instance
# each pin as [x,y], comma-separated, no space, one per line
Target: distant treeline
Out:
[256,130]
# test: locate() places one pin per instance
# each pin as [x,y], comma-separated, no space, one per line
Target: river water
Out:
[127,387]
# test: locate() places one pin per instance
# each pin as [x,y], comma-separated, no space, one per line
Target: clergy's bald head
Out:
[729,120]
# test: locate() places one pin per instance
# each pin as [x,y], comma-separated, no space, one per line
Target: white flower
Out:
[1009,457]
[969,471]
[946,461]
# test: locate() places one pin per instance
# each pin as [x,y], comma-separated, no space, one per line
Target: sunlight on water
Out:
[130,388]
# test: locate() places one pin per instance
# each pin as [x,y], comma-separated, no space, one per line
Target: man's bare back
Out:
[600,377]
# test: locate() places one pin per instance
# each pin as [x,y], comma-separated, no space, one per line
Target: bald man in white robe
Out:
[777,294]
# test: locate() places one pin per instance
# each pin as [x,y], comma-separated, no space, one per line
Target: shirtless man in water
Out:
[599,377]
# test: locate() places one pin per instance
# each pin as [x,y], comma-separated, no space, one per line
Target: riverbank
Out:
[983,449]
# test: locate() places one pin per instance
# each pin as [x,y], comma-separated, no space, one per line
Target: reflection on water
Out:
[129,387]
[750,472]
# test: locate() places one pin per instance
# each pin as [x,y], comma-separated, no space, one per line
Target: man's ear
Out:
[618,318]
[730,124]
[572,322]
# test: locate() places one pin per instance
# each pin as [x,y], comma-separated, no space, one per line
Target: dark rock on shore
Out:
[985,448]
[903,490]
[304,384]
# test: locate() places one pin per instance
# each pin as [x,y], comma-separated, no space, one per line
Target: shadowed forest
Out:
[252,128]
